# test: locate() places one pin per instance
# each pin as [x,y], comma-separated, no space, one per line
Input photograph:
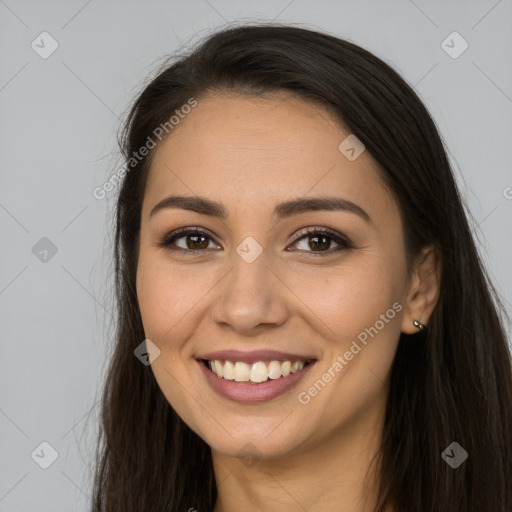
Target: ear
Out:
[424,289]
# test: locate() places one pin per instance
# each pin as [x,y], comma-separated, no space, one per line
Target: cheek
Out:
[361,306]
[172,300]
[362,310]
[347,299]
[164,296]
[155,300]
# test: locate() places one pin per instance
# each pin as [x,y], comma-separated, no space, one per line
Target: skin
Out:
[251,153]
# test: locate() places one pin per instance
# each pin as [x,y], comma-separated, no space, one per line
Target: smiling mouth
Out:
[255,373]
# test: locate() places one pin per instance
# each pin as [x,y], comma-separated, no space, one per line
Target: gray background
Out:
[59,120]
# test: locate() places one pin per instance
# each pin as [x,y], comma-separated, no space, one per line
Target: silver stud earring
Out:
[418,325]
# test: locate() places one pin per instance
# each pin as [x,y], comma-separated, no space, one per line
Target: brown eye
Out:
[195,240]
[318,241]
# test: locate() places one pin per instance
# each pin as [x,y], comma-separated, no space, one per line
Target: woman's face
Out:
[263,282]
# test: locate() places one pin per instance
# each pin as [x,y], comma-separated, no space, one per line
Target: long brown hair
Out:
[452,383]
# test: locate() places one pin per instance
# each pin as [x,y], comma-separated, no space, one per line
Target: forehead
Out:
[256,149]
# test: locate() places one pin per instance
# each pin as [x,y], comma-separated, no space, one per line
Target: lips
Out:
[266,384]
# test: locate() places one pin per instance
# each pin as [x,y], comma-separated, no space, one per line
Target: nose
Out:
[250,297]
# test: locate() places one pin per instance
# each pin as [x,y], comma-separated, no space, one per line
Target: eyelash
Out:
[343,242]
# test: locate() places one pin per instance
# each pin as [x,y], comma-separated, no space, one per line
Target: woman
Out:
[295,269]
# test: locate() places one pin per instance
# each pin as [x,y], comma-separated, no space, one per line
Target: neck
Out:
[341,474]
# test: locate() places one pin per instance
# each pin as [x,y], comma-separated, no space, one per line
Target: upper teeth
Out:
[256,372]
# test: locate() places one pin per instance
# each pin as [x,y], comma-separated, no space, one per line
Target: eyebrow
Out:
[283,210]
